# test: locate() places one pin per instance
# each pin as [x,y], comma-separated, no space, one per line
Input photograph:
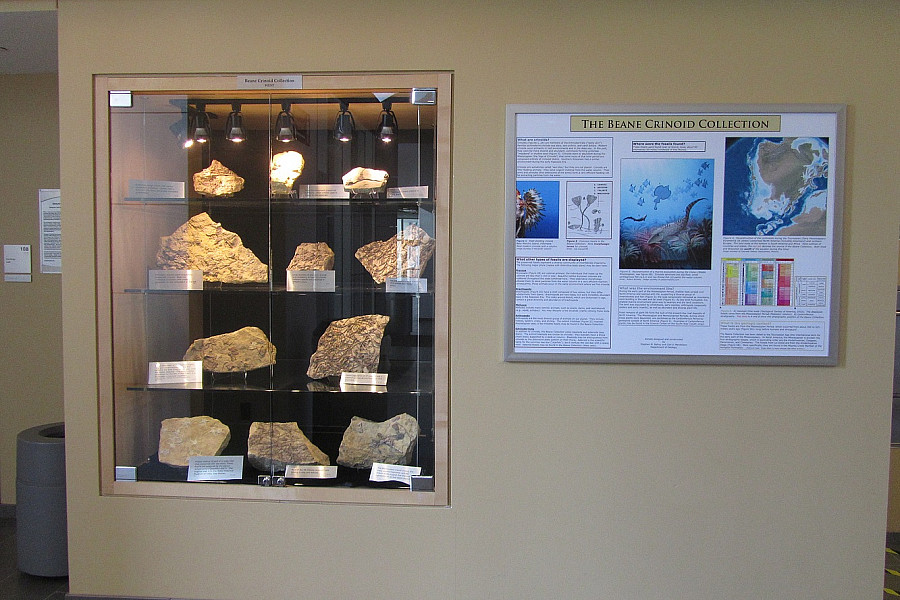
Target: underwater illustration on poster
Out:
[666,214]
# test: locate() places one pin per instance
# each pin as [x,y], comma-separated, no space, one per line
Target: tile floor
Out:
[15,585]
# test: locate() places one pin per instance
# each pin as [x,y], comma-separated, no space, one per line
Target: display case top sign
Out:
[269,81]
[682,234]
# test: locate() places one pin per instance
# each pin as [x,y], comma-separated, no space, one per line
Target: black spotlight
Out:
[387,130]
[285,129]
[199,125]
[234,125]
[344,125]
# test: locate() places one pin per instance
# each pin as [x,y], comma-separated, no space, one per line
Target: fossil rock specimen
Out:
[242,350]
[391,442]
[403,255]
[351,345]
[184,437]
[274,445]
[284,169]
[217,180]
[313,256]
[203,244]
[361,179]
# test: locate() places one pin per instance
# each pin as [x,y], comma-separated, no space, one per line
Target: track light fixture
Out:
[198,126]
[344,125]
[285,129]
[234,125]
[387,129]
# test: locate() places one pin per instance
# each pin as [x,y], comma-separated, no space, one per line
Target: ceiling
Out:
[28,42]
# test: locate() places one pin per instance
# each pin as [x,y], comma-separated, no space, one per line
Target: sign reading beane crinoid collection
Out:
[704,234]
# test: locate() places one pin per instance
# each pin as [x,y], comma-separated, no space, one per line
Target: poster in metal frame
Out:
[707,234]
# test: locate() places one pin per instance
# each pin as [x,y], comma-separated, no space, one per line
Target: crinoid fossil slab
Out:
[236,352]
[352,345]
[284,169]
[312,256]
[203,244]
[183,437]
[272,446]
[361,179]
[403,255]
[217,180]
[392,442]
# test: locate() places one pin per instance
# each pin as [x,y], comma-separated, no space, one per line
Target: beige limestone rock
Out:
[361,179]
[284,170]
[278,444]
[392,442]
[184,437]
[403,255]
[242,350]
[217,180]
[312,256]
[203,244]
[352,345]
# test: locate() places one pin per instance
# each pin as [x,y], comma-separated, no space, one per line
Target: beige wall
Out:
[30,313]
[568,481]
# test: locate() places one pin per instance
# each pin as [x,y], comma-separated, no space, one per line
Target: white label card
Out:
[406,285]
[147,188]
[175,279]
[182,371]
[310,471]
[412,191]
[323,190]
[120,99]
[126,473]
[363,378]
[401,473]
[310,281]
[215,468]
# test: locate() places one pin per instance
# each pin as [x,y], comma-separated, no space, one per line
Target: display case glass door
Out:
[273,285]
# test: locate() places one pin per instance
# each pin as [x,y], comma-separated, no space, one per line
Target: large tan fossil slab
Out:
[183,437]
[392,442]
[242,350]
[217,180]
[403,255]
[312,256]
[352,345]
[203,244]
[271,446]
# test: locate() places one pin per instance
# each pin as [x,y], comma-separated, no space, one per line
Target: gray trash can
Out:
[41,538]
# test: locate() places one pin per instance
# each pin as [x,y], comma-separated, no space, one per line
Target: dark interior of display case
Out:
[272,227]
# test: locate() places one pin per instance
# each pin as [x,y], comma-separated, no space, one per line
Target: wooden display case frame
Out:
[107,370]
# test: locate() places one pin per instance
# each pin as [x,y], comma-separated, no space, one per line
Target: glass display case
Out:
[273,285]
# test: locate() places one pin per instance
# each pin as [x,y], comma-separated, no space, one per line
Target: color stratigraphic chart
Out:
[757,282]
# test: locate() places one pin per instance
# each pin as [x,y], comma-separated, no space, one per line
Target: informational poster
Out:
[51,237]
[704,234]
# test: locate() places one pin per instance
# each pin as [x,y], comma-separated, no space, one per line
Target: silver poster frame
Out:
[836,161]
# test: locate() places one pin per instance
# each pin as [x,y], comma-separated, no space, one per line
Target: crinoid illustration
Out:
[529,210]
[629,253]
[649,249]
